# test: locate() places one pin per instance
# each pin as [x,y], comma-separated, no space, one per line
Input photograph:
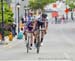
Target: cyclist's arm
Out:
[46,25]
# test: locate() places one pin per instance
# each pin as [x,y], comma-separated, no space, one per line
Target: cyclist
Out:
[29,27]
[43,23]
[26,24]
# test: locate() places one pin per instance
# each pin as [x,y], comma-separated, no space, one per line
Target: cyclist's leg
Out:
[25,33]
[31,42]
[31,37]
[35,36]
[37,25]
[36,33]
[41,33]
[26,38]
[40,26]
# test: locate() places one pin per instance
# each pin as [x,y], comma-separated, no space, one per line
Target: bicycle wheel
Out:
[38,42]
[27,45]
[38,47]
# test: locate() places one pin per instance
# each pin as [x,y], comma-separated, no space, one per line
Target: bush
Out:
[8,14]
[6,33]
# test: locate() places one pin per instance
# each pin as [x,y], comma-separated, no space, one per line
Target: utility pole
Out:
[2,20]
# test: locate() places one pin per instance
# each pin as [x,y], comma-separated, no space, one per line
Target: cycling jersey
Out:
[41,21]
[29,26]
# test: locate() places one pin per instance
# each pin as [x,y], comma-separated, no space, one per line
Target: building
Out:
[13,3]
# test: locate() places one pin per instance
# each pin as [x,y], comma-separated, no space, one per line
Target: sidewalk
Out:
[14,42]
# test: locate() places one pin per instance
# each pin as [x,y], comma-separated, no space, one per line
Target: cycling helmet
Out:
[44,15]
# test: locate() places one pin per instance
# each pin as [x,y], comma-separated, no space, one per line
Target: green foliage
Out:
[72,6]
[36,4]
[8,14]
[33,5]
[6,33]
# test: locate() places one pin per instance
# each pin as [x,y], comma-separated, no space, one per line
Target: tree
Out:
[72,6]
[36,4]
[8,14]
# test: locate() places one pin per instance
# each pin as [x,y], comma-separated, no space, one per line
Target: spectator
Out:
[63,19]
[20,35]
[22,19]
[13,29]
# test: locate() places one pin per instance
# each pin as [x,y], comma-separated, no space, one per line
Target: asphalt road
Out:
[59,45]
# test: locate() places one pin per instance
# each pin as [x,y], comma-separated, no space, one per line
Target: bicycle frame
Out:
[39,38]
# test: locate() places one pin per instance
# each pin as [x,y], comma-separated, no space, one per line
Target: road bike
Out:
[38,39]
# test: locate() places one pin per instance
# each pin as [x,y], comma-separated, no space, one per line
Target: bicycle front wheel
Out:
[38,44]
[38,47]
[27,45]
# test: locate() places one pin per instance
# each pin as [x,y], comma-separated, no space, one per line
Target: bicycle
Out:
[38,39]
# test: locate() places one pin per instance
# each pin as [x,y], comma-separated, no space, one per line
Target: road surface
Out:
[59,44]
